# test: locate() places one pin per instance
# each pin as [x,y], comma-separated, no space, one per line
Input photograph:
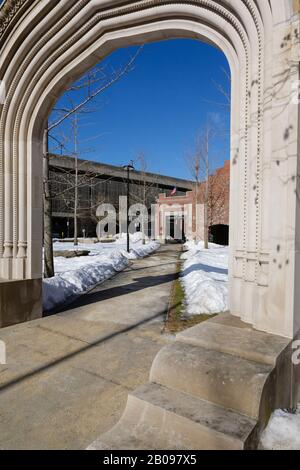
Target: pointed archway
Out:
[45,45]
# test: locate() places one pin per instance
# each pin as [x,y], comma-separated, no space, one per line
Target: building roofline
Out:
[67,162]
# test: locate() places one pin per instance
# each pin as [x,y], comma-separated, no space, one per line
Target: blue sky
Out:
[158,108]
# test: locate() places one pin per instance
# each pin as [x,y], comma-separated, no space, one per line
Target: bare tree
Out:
[199,165]
[147,190]
[80,185]
[205,158]
[218,198]
[75,128]
[48,245]
[94,82]
[224,90]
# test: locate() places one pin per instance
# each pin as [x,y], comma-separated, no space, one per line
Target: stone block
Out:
[20,301]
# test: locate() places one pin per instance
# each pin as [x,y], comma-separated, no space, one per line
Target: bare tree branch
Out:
[93,95]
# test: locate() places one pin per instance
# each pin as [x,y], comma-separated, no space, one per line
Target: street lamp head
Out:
[130,166]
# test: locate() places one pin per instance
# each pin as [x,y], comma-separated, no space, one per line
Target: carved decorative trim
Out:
[108,13]
[7,12]
[259,156]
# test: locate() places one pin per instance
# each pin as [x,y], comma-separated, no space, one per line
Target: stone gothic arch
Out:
[45,45]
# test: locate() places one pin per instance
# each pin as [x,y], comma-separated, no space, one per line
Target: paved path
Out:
[68,375]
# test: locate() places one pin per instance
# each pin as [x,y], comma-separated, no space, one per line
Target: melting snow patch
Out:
[282,432]
[205,278]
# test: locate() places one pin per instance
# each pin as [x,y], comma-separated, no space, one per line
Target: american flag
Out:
[173,192]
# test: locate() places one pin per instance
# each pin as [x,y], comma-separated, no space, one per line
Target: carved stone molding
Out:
[8,10]
[69,36]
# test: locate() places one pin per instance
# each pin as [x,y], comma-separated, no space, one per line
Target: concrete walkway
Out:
[68,376]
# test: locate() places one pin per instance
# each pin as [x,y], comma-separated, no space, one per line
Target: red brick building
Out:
[182,217]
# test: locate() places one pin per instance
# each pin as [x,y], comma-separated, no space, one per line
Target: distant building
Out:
[181,216]
[100,183]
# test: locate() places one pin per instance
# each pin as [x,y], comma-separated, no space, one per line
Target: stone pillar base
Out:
[20,301]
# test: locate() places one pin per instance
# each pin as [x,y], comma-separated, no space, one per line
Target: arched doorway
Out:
[53,44]
[219,234]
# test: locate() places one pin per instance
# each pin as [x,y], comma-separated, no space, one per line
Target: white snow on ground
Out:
[75,276]
[205,278]
[282,432]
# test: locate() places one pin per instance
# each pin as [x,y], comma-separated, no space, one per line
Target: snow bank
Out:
[71,281]
[75,276]
[134,237]
[205,278]
[282,432]
[141,251]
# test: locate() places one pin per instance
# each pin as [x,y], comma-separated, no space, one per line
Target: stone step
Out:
[223,379]
[242,342]
[213,388]
[169,419]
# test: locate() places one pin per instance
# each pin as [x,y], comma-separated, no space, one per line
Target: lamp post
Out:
[128,168]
